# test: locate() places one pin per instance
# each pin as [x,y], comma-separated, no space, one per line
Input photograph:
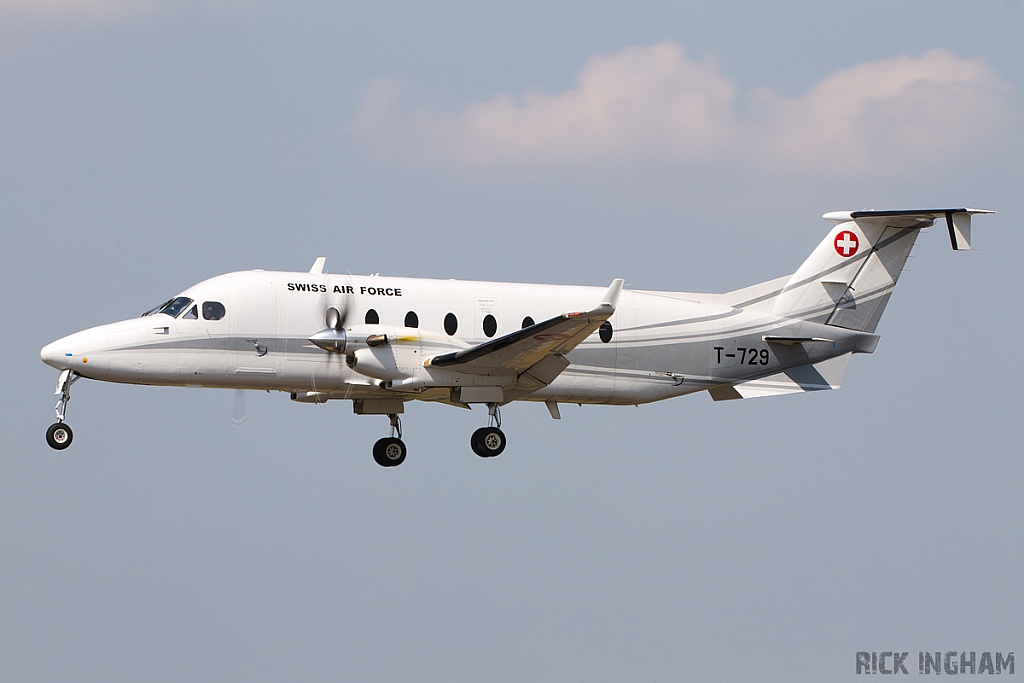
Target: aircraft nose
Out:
[73,349]
[86,352]
[54,355]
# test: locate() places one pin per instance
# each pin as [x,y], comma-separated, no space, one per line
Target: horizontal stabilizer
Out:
[789,341]
[958,221]
[827,374]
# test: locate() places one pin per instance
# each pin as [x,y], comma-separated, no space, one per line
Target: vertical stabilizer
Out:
[848,279]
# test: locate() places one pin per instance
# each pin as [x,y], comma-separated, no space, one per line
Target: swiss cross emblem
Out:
[846,243]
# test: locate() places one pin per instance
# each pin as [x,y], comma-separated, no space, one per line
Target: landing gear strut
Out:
[59,435]
[390,451]
[489,441]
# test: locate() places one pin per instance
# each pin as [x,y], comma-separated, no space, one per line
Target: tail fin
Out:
[848,279]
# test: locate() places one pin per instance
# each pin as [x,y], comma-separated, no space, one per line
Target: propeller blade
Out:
[335,319]
[333,338]
[336,314]
[238,412]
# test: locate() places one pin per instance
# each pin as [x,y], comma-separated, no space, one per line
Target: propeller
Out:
[238,412]
[333,338]
[335,319]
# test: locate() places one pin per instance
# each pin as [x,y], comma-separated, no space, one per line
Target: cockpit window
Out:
[193,314]
[213,310]
[173,308]
[154,310]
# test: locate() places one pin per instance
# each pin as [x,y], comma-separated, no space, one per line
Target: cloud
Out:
[655,105]
[924,109]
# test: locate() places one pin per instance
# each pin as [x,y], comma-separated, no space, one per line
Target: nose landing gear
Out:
[391,451]
[59,435]
[489,441]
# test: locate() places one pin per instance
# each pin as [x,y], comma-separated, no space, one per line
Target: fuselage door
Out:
[256,348]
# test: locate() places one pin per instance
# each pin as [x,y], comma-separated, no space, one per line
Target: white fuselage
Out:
[663,344]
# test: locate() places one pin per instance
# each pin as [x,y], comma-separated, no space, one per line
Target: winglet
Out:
[611,297]
[959,225]
[318,265]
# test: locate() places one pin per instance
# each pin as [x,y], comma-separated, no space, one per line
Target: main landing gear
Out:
[489,441]
[390,451]
[59,435]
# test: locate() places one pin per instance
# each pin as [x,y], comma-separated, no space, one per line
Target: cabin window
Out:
[173,308]
[411,319]
[193,314]
[451,324]
[528,322]
[372,318]
[490,325]
[605,331]
[213,310]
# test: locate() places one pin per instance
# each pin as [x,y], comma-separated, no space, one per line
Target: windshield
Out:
[172,308]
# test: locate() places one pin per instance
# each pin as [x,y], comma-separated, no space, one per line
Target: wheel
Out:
[488,442]
[389,452]
[59,436]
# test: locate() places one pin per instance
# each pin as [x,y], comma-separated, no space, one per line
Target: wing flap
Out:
[542,373]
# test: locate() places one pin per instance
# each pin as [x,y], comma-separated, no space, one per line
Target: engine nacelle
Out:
[378,362]
[352,339]
[396,354]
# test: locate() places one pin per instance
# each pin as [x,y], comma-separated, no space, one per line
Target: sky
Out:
[147,145]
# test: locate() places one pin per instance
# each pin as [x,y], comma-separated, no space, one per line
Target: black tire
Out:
[488,442]
[59,436]
[389,452]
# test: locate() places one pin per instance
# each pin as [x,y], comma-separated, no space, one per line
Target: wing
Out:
[540,345]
